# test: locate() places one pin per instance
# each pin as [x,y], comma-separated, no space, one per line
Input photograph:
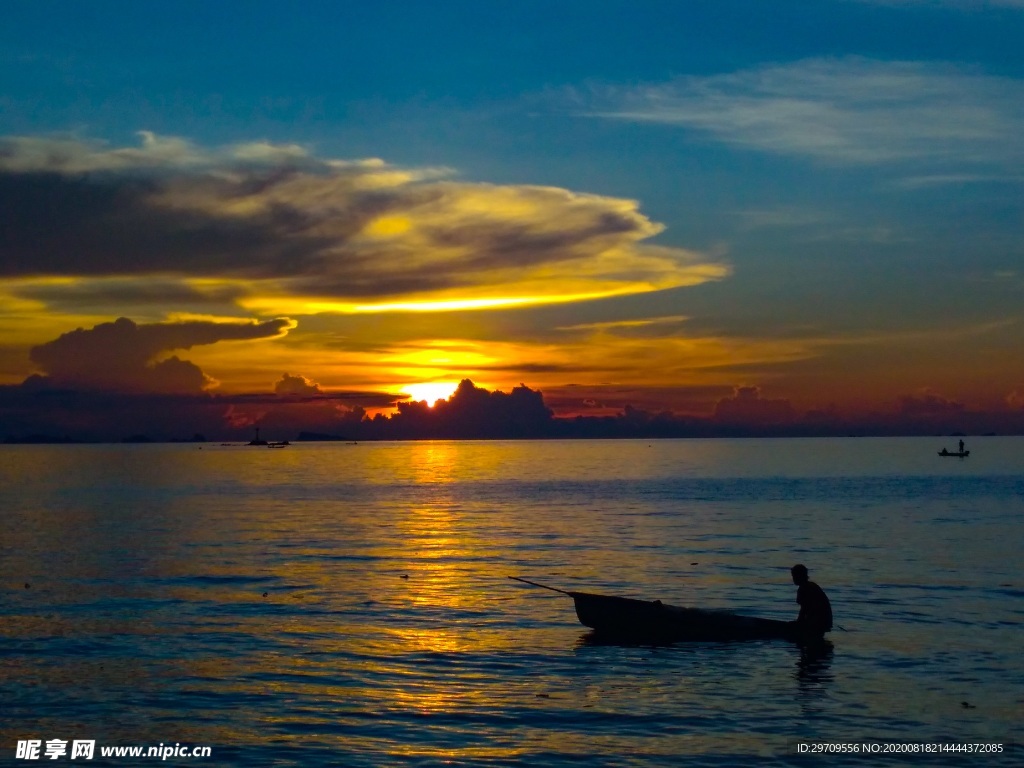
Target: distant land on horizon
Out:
[471,412]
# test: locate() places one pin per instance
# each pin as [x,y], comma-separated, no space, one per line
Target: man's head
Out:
[799,573]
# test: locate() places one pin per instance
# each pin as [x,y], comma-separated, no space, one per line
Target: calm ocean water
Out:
[333,604]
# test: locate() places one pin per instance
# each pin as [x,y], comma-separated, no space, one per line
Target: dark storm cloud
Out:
[302,226]
[107,224]
[692,400]
[124,356]
[746,406]
[351,398]
[119,292]
[928,403]
[296,385]
[36,410]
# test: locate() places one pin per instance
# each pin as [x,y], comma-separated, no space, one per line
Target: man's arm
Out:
[800,595]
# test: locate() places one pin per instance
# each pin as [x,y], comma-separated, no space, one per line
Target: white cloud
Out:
[958,179]
[843,111]
[73,155]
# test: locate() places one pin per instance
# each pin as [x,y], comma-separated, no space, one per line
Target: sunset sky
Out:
[785,206]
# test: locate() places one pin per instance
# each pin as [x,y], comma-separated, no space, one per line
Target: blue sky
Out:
[847,173]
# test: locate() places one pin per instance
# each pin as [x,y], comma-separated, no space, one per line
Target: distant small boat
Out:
[958,454]
[654,621]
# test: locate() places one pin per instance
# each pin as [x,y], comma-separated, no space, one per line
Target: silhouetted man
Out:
[815,617]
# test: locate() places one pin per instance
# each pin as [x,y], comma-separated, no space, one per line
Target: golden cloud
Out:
[277,230]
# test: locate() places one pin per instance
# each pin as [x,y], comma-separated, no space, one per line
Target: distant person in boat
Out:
[961,446]
[815,617]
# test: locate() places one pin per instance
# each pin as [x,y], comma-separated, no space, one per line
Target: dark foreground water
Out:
[348,605]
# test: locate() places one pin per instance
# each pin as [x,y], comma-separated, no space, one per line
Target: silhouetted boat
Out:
[958,454]
[654,621]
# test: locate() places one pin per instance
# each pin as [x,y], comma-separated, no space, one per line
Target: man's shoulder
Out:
[810,586]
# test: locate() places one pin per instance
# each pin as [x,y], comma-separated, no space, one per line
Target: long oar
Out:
[542,586]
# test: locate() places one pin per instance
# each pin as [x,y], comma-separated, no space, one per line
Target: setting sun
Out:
[431,391]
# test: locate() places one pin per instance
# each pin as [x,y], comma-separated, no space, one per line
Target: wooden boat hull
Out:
[958,454]
[626,618]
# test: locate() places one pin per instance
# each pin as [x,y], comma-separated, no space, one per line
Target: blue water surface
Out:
[334,604]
